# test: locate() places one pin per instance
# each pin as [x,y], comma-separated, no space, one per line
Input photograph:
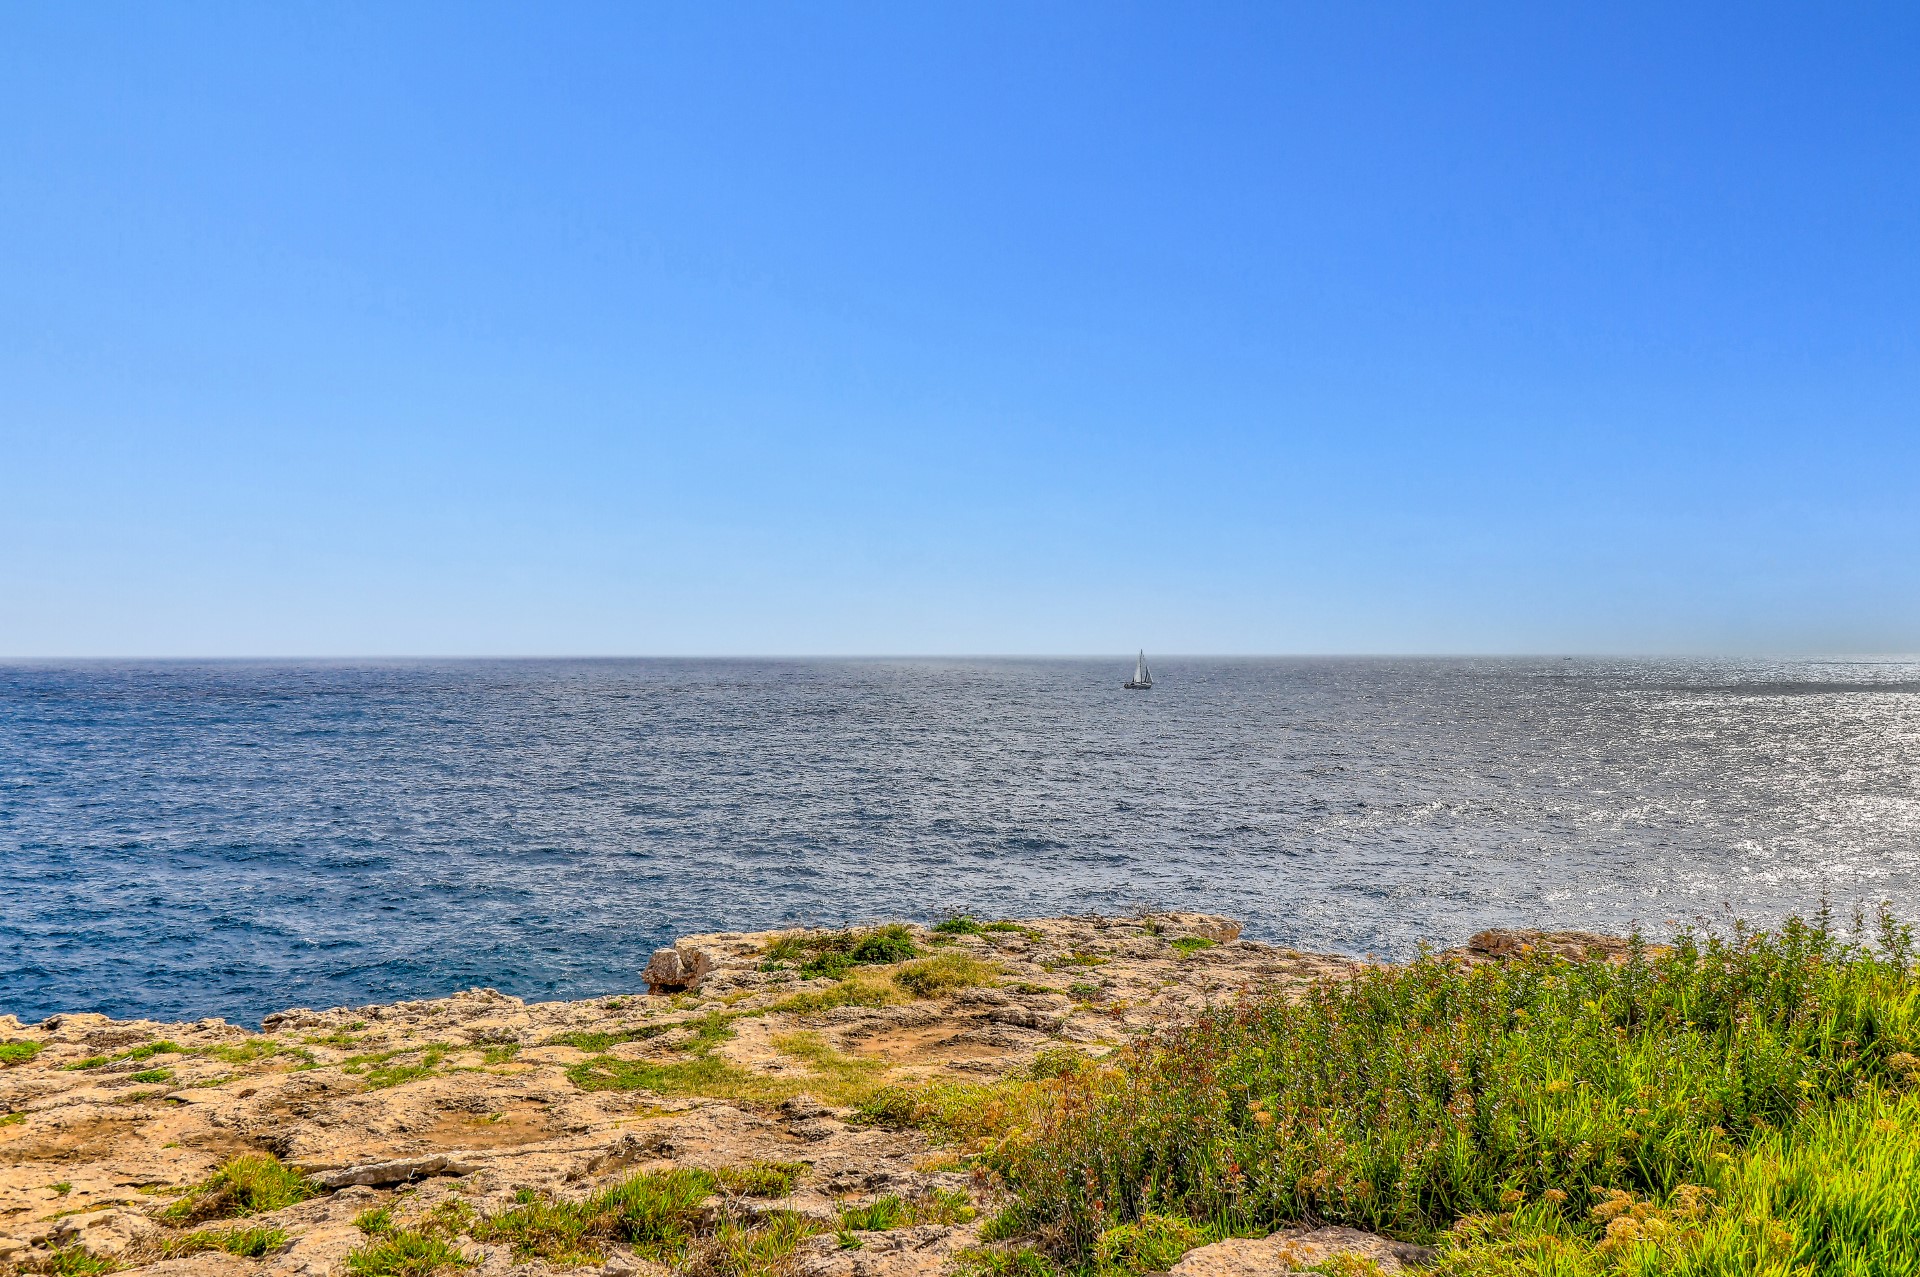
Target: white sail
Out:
[1140,669]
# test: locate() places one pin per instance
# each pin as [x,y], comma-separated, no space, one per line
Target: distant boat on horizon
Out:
[1142,679]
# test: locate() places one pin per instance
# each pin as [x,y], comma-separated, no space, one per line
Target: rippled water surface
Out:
[192,839]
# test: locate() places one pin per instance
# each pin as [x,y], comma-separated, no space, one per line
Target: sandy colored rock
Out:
[1502,943]
[1296,1250]
[470,1098]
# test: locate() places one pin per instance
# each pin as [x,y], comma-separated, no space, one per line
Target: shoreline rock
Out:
[732,1060]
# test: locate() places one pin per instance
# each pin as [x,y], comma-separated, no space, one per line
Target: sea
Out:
[185,839]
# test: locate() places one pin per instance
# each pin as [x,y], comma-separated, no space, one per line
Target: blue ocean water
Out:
[185,839]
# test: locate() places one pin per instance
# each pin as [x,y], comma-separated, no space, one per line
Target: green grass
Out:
[250,1184]
[857,991]
[738,1250]
[704,1073]
[18,1053]
[1747,1099]
[943,973]
[960,925]
[248,1243]
[1839,1195]
[376,1221]
[1190,945]
[595,1041]
[940,1206]
[405,1253]
[152,1075]
[835,953]
[657,1215]
[1078,958]
[504,1053]
[761,1179]
[76,1261]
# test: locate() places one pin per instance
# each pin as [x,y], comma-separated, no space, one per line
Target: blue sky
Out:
[726,328]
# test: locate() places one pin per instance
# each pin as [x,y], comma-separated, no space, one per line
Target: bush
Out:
[18,1052]
[1152,1244]
[1408,1098]
[835,953]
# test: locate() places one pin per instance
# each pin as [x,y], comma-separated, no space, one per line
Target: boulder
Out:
[677,970]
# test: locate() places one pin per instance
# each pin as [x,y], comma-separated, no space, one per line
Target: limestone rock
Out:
[1501,942]
[106,1232]
[403,1170]
[1297,1249]
[677,970]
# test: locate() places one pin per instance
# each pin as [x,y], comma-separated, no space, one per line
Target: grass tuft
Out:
[761,1179]
[248,1243]
[763,1250]
[943,973]
[835,953]
[18,1051]
[250,1184]
[656,1214]
[405,1253]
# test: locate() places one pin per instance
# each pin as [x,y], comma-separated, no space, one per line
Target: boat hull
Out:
[1132,686]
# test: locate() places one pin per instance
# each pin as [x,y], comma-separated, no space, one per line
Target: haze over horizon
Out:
[847,329]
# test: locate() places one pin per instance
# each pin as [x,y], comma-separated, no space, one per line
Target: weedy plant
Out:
[250,1184]
[18,1051]
[656,1214]
[1716,1086]
[835,953]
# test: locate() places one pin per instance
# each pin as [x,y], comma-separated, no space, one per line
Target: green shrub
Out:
[1151,1244]
[1405,1099]
[835,953]
[375,1221]
[152,1075]
[18,1051]
[1839,1194]
[940,1206]
[960,925]
[858,991]
[1190,945]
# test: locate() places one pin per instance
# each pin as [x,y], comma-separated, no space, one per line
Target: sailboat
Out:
[1142,679]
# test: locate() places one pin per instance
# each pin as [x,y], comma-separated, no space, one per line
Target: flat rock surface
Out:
[1296,1250]
[479,1094]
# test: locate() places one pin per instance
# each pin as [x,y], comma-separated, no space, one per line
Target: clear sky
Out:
[886,328]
